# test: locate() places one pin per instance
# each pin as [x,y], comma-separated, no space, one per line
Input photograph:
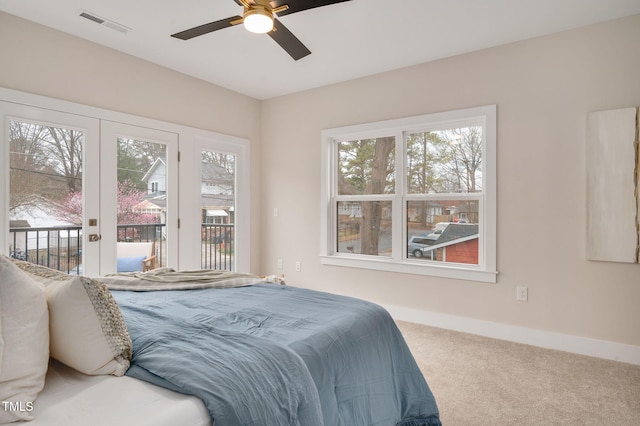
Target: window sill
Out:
[470,273]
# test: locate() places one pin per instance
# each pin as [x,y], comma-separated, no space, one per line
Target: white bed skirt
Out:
[71,398]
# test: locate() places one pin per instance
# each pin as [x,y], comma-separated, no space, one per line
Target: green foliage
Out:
[135,158]
[366,166]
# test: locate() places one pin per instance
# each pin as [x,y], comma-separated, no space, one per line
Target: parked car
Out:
[417,244]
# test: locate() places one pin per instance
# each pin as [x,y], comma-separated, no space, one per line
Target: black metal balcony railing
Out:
[218,247]
[61,247]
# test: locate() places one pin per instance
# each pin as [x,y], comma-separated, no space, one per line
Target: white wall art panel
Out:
[612,185]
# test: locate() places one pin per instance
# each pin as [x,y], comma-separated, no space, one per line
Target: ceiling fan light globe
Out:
[258,21]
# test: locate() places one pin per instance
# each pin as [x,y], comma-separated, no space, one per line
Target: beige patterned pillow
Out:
[88,332]
[24,342]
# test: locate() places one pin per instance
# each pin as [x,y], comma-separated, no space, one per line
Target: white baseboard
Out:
[529,336]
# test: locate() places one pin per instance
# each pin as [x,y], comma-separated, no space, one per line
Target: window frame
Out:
[485,270]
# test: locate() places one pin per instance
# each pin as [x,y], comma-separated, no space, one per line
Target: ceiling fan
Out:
[260,16]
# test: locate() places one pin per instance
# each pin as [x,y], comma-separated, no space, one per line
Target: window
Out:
[414,195]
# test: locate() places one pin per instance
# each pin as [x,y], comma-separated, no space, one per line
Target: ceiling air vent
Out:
[104,22]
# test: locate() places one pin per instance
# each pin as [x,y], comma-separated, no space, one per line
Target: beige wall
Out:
[46,62]
[544,89]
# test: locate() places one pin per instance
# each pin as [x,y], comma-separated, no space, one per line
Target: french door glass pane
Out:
[45,186]
[443,230]
[364,227]
[141,202]
[217,210]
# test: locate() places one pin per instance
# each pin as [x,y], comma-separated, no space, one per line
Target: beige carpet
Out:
[482,381]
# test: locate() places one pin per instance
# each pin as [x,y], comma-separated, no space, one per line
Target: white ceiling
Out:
[347,40]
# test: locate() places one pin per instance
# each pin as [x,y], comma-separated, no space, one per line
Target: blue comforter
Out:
[278,355]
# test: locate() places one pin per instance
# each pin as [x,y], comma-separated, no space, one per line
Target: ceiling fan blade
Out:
[288,41]
[206,28]
[300,5]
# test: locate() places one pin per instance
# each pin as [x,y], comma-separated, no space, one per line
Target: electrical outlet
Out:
[522,294]
[279,263]
[275,212]
[298,266]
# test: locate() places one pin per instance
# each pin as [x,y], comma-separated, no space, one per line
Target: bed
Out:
[71,398]
[242,351]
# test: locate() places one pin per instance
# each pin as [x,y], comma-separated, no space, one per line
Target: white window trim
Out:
[485,271]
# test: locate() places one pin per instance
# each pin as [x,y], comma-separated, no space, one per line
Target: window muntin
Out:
[442,168]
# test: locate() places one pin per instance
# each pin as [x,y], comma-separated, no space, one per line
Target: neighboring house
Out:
[216,189]
[156,177]
[458,243]
[442,211]
[217,194]
[155,201]
[148,207]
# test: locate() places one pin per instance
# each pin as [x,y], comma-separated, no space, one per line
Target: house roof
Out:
[148,205]
[215,201]
[215,173]
[456,233]
[155,165]
[19,224]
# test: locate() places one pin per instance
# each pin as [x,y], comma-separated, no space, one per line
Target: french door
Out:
[139,175]
[76,186]
[50,189]
[214,175]
[79,183]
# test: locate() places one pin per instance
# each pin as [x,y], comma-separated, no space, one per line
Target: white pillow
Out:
[88,331]
[24,342]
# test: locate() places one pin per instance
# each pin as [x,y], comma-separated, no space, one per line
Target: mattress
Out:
[71,398]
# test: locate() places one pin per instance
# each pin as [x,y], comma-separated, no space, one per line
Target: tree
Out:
[70,209]
[367,167]
[128,198]
[32,172]
[459,160]
[381,169]
[65,148]
[422,177]
[135,158]
[422,158]
[226,161]
[445,161]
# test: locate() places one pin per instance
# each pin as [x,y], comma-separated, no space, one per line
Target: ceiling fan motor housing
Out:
[258,19]
[261,17]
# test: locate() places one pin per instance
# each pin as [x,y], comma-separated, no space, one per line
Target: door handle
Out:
[94,237]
